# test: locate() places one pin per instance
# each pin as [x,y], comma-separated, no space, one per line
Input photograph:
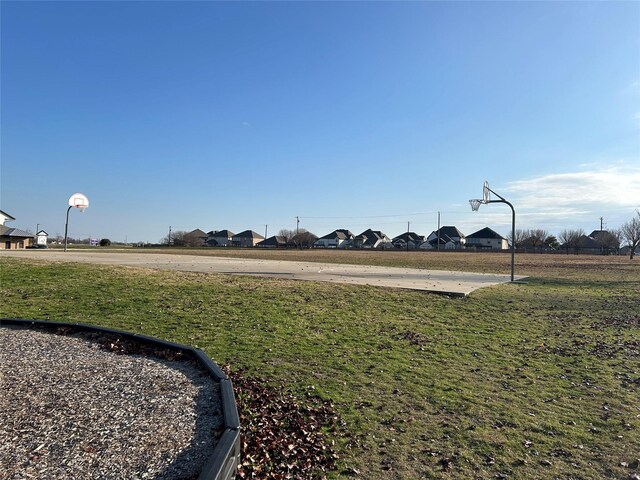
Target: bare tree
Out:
[287,234]
[630,233]
[304,239]
[521,236]
[569,238]
[609,240]
[537,237]
[177,238]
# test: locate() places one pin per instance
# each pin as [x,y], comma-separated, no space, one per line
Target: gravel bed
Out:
[71,409]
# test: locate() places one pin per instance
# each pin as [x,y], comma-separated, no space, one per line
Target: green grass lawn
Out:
[527,381]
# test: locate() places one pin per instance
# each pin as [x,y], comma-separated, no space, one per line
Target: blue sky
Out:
[235,115]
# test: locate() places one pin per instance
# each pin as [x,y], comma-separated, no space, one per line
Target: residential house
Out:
[273,242]
[222,238]
[453,238]
[14,238]
[445,243]
[336,239]
[486,239]
[408,241]
[371,239]
[609,243]
[248,238]
[582,244]
[195,238]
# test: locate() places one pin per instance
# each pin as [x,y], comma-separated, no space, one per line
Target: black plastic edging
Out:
[231,417]
[211,366]
[223,461]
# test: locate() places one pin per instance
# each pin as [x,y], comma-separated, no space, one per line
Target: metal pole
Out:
[513,231]
[66,226]
[513,240]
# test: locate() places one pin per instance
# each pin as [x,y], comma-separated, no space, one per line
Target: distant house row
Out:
[447,238]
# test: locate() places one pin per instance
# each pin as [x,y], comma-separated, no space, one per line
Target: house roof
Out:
[42,232]
[450,231]
[486,232]
[409,237]
[6,215]
[371,236]
[444,239]
[196,233]
[587,242]
[14,232]
[596,233]
[221,234]
[273,240]
[340,233]
[248,234]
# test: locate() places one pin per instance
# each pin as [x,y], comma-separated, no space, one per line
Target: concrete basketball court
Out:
[437,281]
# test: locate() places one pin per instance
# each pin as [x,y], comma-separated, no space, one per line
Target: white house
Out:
[487,239]
[336,239]
[5,217]
[41,237]
[371,239]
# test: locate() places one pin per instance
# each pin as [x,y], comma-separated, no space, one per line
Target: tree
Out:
[177,238]
[609,240]
[569,238]
[536,237]
[105,242]
[304,239]
[521,236]
[552,242]
[287,234]
[630,233]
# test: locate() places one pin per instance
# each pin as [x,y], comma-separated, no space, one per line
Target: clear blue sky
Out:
[349,115]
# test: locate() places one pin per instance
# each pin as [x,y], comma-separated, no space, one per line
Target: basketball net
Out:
[475,204]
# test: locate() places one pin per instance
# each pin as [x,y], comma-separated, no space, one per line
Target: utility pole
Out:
[265,231]
[297,225]
[169,237]
[601,224]
[408,223]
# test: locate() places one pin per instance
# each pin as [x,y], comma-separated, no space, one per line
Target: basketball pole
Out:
[513,230]
[475,204]
[66,227]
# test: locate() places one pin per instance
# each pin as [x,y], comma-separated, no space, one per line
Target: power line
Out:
[373,216]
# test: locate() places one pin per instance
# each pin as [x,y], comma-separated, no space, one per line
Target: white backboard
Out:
[78,200]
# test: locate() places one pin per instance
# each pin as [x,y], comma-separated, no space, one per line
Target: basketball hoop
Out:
[79,201]
[475,204]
